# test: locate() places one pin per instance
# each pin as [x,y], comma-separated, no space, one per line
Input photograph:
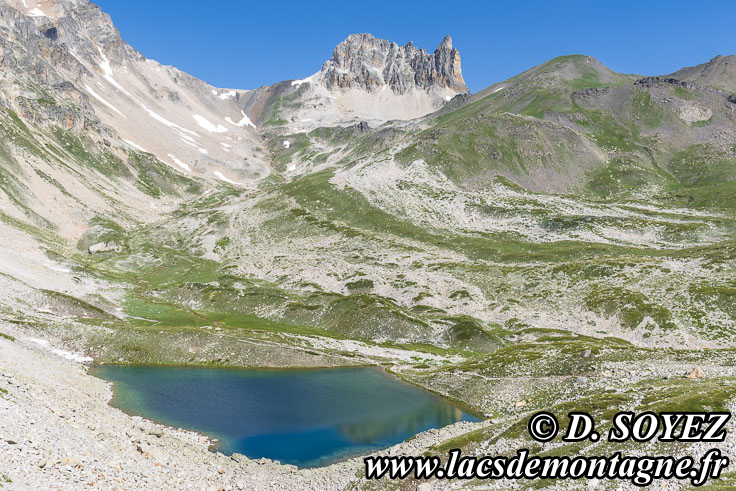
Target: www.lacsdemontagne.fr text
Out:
[640,470]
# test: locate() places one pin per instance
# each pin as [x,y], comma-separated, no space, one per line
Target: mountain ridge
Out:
[350,86]
[719,72]
[400,67]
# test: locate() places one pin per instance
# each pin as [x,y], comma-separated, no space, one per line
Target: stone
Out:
[585,353]
[72,461]
[425,486]
[239,457]
[99,247]
[696,372]
[366,62]
[520,404]
[114,246]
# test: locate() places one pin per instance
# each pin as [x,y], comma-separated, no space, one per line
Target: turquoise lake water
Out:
[307,418]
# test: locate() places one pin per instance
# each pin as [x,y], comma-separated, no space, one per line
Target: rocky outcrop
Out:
[100,247]
[662,80]
[719,72]
[366,62]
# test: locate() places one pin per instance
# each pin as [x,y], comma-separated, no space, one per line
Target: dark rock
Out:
[590,92]
[661,80]
[51,33]
[361,128]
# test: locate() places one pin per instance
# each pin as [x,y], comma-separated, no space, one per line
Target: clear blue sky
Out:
[245,44]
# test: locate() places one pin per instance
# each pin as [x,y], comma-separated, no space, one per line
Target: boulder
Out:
[100,247]
[97,248]
[696,372]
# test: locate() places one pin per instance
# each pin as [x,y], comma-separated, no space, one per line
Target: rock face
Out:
[351,87]
[105,247]
[366,62]
[720,73]
[63,64]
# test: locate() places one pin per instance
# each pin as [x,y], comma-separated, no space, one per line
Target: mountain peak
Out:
[369,63]
[719,72]
[446,44]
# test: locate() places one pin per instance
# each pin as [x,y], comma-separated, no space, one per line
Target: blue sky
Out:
[245,44]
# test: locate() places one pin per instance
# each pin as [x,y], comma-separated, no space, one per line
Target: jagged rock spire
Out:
[364,61]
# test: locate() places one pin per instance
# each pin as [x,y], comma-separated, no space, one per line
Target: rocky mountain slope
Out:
[719,73]
[366,80]
[373,213]
[186,123]
[364,62]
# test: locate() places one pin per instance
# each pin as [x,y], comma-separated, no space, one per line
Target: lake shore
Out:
[57,430]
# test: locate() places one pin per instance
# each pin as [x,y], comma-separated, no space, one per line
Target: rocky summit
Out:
[563,240]
[363,61]
[351,86]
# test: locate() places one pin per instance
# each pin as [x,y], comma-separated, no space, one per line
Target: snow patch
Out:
[243,122]
[203,151]
[227,95]
[206,124]
[59,269]
[71,52]
[180,163]
[291,168]
[286,143]
[184,136]
[165,121]
[221,177]
[303,81]
[69,355]
[36,12]
[102,100]
[497,89]
[136,146]
[448,98]
[107,73]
